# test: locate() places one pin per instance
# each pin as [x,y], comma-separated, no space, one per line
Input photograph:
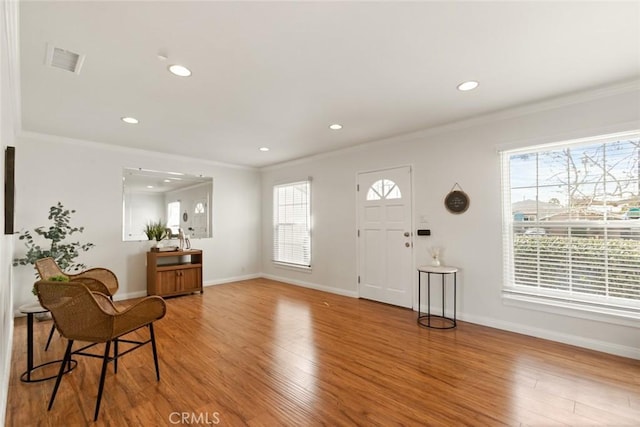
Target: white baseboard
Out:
[138,294]
[605,347]
[310,285]
[286,280]
[232,279]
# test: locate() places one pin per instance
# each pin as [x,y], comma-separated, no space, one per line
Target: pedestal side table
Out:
[31,310]
[444,322]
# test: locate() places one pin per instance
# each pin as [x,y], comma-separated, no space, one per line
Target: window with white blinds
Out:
[571,221]
[292,223]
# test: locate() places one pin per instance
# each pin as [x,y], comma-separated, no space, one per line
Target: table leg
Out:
[455,285]
[429,300]
[419,274]
[442,282]
[29,345]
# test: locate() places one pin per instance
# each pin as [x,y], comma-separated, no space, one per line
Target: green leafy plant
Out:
[64,253]
[156,230]
[149,230]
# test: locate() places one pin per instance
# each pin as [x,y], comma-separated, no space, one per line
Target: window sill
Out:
[293,267]
[626,316]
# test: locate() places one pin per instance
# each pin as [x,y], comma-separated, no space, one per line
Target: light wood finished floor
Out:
[262,353]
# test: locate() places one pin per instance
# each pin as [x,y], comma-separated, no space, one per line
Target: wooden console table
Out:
[174,273]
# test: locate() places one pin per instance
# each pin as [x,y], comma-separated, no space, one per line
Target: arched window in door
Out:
[384,189]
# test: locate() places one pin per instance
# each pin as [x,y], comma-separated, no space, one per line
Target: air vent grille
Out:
[64,59]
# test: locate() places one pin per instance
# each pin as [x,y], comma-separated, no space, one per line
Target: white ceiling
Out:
[278,74]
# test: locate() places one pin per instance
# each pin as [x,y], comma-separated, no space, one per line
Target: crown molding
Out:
[619,130]
[130,150]
[496,116]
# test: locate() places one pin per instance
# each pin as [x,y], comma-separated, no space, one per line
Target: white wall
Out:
[87,177]
[8,125]
[464,153]
[141,208]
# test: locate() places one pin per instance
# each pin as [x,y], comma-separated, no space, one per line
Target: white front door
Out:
[384,236]
[199,218]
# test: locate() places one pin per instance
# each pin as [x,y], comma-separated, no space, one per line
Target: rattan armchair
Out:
[83,315]
[97,279]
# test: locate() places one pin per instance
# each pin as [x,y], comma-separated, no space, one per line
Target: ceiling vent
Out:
[63,59]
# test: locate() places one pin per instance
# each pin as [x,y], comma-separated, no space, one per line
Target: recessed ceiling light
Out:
[470,85]
[130,120]
[335,126]
[167,180]
[149,186]
[264,148]
[180,70]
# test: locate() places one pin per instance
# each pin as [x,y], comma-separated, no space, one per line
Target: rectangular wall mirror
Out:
[176,199]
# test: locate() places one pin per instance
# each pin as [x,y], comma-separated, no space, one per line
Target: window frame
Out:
[173,226]
[624,311]
[293,261]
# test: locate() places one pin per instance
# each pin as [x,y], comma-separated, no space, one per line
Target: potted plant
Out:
[64,253]
[149,230]
[156,231]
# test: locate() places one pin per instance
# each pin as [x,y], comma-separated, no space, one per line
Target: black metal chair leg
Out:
[155,351]
[53,329]
[67,359]
[105,360]
[115,349]
[115,356]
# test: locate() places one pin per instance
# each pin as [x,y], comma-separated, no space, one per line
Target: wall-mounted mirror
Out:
[178,200]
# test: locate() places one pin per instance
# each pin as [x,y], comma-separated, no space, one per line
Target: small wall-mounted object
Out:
[456,201]
[423,232]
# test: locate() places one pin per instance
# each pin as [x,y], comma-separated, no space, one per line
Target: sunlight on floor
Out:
[294,351]
[547,393]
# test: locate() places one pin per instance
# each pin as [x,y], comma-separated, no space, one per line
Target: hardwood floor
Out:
[262,353]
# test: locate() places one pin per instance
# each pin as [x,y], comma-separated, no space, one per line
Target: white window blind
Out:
[571,221]
[292,223]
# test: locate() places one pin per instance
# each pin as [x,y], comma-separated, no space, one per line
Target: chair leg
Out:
[53,329]
[155,350]
[115,356]
[105,360]
[67,359]
[115,349]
